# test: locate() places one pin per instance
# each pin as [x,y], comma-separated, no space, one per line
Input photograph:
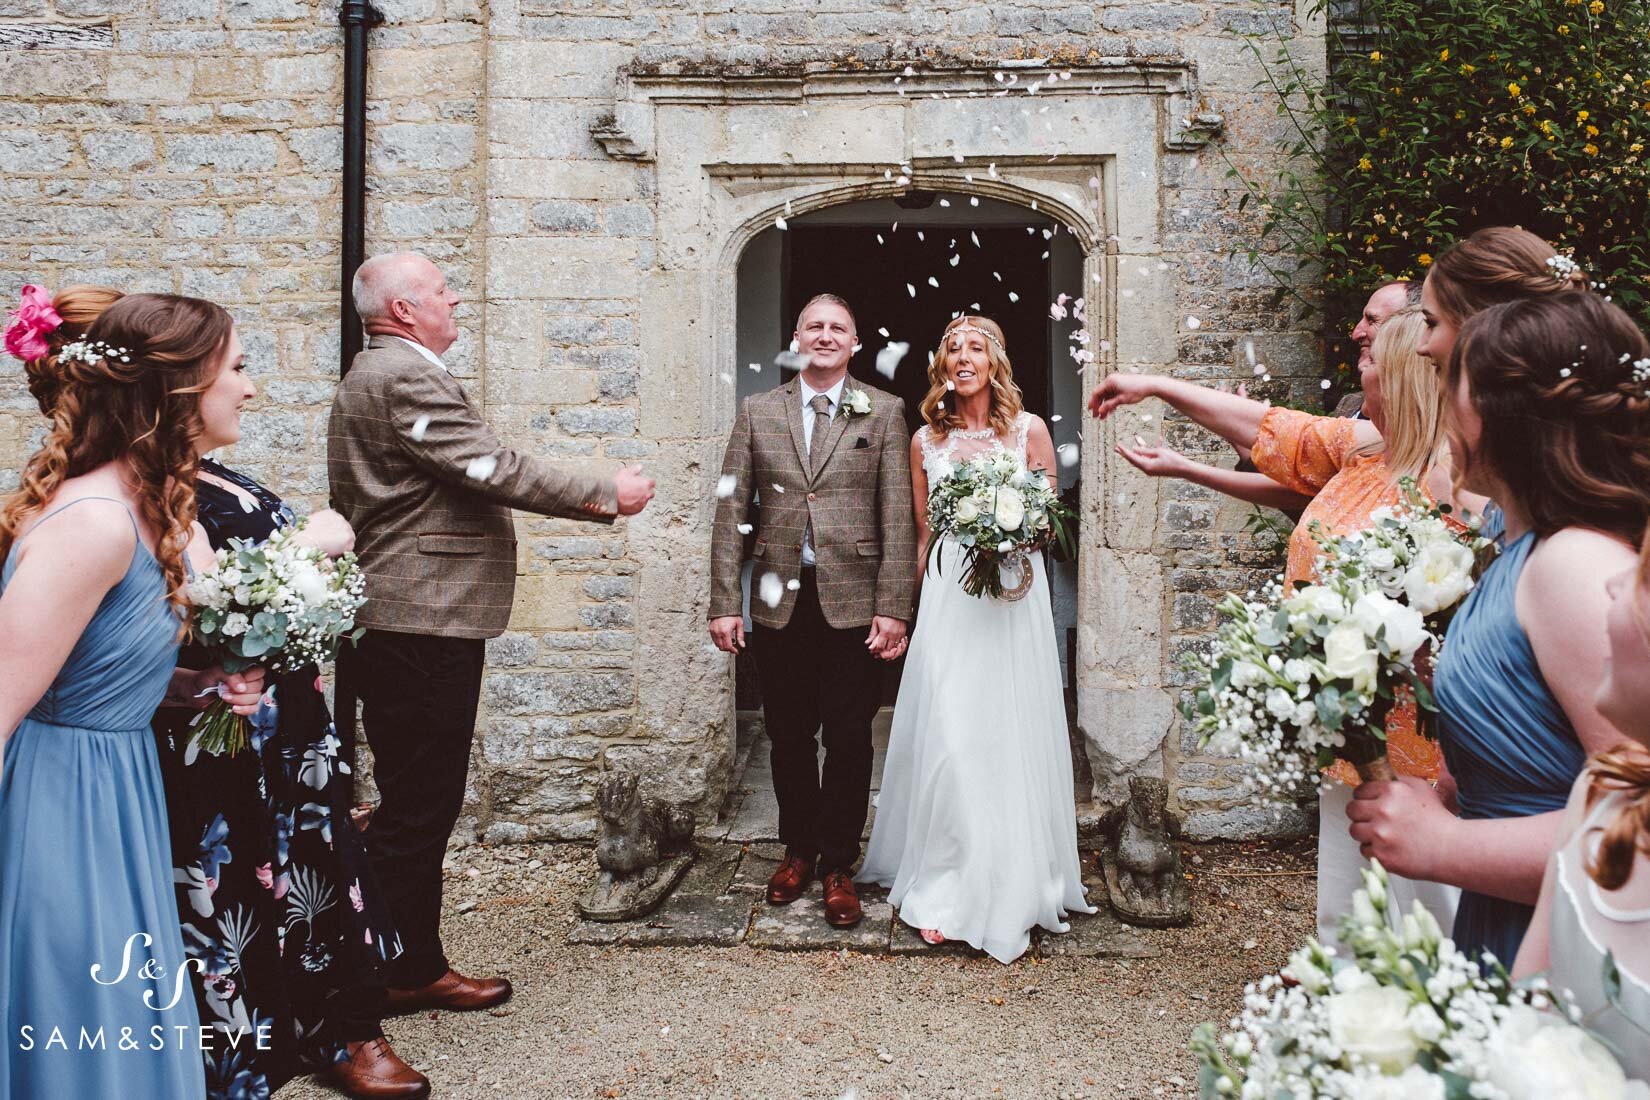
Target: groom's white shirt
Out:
[807,393]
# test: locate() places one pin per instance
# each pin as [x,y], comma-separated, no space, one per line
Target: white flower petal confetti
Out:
[1193,322]
[480,469]
[793,584]
[911,290]
[725,485]
[1068,454]
[883,332]
[755,366]
[420,426]
[955,260]
[888,358]
[771,589]
[745,528]
[933,282]
[1323,384]
[778,488]
[1055,419]
[792,360]
[1013,297]
[780,224]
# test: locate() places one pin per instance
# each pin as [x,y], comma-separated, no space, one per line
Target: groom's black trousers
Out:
[816,677]
[418,707]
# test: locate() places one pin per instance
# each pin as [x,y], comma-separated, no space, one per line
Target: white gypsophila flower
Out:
[234,625]
[1297,671]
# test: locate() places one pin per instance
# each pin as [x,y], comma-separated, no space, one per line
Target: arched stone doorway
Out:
[731,156]
[907,267]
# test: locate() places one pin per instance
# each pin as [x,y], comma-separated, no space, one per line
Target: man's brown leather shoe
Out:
[793,877]
[452,990]
[841,901]
[374,1069]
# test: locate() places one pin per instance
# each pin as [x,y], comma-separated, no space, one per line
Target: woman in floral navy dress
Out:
[274,889]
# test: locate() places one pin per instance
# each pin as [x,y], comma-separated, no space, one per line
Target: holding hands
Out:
[887,639]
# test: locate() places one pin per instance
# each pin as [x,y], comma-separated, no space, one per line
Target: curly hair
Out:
[142,408]
[79,306]
[1566,425]
[1495,265]
[1006,399]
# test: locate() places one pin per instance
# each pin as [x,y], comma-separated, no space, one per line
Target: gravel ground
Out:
[593,1022]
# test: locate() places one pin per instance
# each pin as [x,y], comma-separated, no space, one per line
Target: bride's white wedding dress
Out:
[976,831]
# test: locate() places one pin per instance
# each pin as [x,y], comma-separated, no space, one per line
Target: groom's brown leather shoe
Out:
[793,877]
[374,1070]
[452,990]
[841,900]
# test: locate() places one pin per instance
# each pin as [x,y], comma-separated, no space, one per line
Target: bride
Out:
[975,832]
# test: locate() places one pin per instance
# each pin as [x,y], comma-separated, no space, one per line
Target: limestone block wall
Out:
[194,146]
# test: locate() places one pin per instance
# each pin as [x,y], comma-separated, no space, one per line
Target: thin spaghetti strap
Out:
[136,530]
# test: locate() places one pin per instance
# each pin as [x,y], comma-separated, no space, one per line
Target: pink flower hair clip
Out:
[30,323]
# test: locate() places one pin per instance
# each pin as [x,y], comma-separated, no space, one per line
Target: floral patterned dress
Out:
[273,887]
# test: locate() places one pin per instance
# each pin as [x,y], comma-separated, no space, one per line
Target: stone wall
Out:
[194,146]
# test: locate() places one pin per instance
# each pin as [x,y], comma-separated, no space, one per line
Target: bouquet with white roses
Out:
[1411,554]
[999,512]
[1295,681]
[1408,1017]
[278,604]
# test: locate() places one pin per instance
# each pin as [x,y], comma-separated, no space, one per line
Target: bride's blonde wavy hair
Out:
[1006,400]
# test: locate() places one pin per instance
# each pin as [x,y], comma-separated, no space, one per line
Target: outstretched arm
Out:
[445,436]
[1252,488]
[1233,418]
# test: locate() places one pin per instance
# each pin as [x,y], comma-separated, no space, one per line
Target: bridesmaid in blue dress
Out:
[91,568]
[1548,418]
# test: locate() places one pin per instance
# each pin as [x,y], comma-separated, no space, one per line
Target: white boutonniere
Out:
[856,403]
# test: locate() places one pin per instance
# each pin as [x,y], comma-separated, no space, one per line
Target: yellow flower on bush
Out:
[1590,149]
[1506,143]
[1582,116]
[1365,164]
[1596,7]
[1375,56]
[1636,147]
[1424,259]
[1528,108]
[1444,55]
[1468,70]
[1514,90]
[1563,28]
[1592,131]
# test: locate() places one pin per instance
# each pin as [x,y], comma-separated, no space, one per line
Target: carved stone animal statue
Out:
[1145,858]
[636,832]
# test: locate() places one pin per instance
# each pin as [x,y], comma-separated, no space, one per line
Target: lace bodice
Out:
[940,457]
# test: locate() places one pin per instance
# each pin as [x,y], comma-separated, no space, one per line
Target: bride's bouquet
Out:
[1408,1017]
[1000,513]
[278,604]
[1296,681]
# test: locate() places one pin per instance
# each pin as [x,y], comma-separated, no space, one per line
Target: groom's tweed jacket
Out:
[859,501]
[437,545]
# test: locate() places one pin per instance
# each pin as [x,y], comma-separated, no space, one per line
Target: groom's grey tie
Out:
[820,403]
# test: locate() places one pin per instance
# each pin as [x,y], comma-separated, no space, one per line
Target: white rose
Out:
[230,576]
[967,511]
[1372,1025]
[1297,671]
[235,625]
[1440,575]
[1347,656]
[1538,1055]
[1010,509]
[308,582]
[1315,601]
[1380,558]
[1405,630]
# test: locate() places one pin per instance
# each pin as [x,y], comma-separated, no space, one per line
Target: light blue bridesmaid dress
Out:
[1507,741]
[85,866]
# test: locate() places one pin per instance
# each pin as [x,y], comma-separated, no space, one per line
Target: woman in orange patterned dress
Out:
[1347,469]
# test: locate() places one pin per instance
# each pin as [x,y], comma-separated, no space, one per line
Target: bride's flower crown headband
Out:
[981,331]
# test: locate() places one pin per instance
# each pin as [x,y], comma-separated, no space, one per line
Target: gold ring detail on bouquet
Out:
[1016,591]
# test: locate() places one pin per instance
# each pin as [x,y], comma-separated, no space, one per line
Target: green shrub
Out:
[1444,116]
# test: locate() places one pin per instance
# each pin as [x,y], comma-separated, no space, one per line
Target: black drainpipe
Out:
[357,17]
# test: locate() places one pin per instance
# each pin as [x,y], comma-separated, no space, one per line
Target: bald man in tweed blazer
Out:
[835,575]
[429,490]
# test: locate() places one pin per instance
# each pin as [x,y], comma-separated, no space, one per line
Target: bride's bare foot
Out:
[931,936]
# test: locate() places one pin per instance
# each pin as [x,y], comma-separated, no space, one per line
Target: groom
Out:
[831,593]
